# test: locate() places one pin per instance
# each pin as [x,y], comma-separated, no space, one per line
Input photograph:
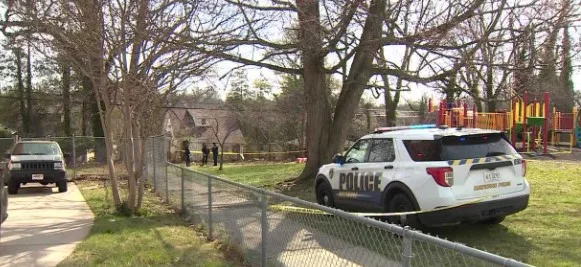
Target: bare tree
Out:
[339,37]
[222,131]
[126,51]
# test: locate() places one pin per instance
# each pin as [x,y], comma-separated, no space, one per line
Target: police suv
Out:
[446,175]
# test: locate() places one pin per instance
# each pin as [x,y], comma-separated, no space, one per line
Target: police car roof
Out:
[428,133]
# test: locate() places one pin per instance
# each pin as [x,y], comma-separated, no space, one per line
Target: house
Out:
[203,124]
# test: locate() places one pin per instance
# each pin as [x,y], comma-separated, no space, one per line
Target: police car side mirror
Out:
[339,159]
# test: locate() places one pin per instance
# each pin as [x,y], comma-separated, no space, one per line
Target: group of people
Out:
[205,154]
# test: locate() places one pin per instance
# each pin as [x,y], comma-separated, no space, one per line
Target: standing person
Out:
[205,153]
[187,155]
[215,154]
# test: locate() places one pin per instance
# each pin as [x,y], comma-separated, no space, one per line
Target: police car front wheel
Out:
[325,195]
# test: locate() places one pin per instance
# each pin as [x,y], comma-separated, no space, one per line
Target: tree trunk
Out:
[95,119]
[221,157]
[368,119]
[325,136]
[390,109]
[105,113]
[29,91]
[359,74]
[109,153]
[129,151]
[66,80]
[491,104]
[20,85]
[140,163]
[316,99]
[84,119]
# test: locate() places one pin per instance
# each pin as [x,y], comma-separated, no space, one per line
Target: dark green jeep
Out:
[36,162]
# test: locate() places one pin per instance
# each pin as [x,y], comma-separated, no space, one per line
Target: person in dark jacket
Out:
[205,153]
[187,156]
[215,154]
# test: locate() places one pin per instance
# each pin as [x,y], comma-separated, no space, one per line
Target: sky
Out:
[416,92]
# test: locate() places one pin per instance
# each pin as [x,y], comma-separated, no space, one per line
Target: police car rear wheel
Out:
[401,203]
[324,195]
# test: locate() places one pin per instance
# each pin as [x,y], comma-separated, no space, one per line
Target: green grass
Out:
[545,234]
[260,175]
[157,238]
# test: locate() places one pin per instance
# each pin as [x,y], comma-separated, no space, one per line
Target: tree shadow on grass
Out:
[497,239]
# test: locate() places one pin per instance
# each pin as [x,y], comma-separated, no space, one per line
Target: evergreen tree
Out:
[566,83]
[239,91]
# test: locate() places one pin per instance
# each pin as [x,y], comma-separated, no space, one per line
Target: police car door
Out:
[351,188]
[382,168]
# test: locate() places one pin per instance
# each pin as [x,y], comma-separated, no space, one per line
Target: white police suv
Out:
[447,175]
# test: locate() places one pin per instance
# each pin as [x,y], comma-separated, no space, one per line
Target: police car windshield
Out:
[475,146]
[459,147]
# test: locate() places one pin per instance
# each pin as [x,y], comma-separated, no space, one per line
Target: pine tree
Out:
[239,91]
[566,83]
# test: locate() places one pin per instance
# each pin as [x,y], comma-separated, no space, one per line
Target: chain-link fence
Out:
[271,229]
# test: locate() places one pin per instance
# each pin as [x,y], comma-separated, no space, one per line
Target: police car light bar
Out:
[397,128]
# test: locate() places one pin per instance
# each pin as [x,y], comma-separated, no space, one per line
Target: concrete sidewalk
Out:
[43,226]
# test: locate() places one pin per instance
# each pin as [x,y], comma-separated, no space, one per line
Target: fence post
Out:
[74,154]
[210,223]
[153,163]
[166,184]
[183,191]
[264,229]
[406,259]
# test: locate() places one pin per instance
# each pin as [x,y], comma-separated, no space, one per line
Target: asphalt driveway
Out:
[43,226]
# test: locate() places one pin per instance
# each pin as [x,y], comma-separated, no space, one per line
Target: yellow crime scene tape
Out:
[250,153]
[370,214]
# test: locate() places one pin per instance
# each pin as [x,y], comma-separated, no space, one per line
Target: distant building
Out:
[198,126]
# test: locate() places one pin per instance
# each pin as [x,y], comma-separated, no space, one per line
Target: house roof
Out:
[205,120]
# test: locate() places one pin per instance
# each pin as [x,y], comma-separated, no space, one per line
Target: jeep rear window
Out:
[36,149]
[459,147]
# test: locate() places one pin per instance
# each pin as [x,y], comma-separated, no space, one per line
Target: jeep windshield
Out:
[36,149]
[459,147]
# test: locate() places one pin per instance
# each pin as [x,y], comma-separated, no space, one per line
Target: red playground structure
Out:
[530,124]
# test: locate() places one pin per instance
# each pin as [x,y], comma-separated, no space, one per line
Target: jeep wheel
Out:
[400,202]
[325,195]
[62,187]
[43,183]
[13,188]
[494,220]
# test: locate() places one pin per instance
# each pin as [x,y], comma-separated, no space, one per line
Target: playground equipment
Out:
[578,129]
[529,121]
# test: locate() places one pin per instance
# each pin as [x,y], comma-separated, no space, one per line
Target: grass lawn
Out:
[545,234]
[266,175]
[157,238]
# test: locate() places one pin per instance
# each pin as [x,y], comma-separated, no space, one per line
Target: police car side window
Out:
[357,152]
[382,151]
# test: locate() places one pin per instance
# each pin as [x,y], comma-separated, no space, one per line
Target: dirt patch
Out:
[574,155]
